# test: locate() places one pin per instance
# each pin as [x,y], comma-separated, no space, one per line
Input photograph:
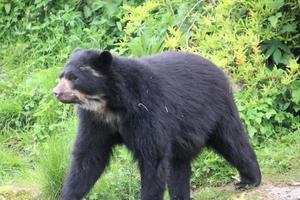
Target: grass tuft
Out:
[53,166]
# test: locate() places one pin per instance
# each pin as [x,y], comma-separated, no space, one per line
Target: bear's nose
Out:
[57,92]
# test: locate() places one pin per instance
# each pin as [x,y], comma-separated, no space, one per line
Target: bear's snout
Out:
[64,92]
[57,92]
[64,97]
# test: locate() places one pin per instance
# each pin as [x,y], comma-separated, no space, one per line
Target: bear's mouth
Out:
[77,98]
[65,93]
[94,99]
[68,98]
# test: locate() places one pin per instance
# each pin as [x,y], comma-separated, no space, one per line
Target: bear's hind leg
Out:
[231,141]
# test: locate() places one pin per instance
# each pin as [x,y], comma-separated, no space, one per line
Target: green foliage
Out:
[120,180]
[265,102]
[280,52]
[283,30]
[255,42]
[11,165]
[53,166]
[214,194]
[286,156]
[211,169]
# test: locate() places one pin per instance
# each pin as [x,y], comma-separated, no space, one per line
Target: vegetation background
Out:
[257,43]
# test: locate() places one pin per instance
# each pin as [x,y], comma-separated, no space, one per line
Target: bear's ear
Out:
[106,59]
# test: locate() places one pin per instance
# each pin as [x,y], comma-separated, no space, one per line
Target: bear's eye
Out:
[71,77]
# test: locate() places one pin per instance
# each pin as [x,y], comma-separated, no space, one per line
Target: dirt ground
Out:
[280,192]
[266,191]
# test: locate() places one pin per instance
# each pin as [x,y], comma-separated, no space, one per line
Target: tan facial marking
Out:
[65,86]
[91,70]
[98,105]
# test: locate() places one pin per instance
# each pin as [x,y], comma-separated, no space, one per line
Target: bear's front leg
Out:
[179,179]
[91,154]
[153,178]
[151,148]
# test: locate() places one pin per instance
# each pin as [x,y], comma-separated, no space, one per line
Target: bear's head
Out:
[83,80]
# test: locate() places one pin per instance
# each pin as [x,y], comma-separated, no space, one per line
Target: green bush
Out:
[255,42]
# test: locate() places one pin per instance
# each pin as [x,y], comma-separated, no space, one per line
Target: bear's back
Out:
[187,72]
[191,84]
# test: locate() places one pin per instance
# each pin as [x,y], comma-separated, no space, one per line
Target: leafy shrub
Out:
[255,42]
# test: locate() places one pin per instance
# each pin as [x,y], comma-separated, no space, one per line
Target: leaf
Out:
[297,108]
[279,117]
[296,96]
[119,25]
[270,51]
[295,85]
[285,106]
[289,28]
[286,58]
[279,14]
[251,131]
[284,47]
[275,4]
[273,20]
[264,130]
[87,11]
[270,113]
[97,5]
[7,8]
[277,55]
[258,120]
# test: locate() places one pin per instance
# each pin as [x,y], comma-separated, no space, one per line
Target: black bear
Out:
[164,108]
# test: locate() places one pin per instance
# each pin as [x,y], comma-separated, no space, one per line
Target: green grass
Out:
[53,166]
[120,180]
[12,165]
[280,160]
[37,132]
[213,194]
[53,163]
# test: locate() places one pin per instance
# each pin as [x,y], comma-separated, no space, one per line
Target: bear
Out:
[164,108]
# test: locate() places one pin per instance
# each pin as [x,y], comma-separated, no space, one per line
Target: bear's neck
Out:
[132,84]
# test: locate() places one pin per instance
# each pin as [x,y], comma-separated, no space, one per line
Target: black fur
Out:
[171,106]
